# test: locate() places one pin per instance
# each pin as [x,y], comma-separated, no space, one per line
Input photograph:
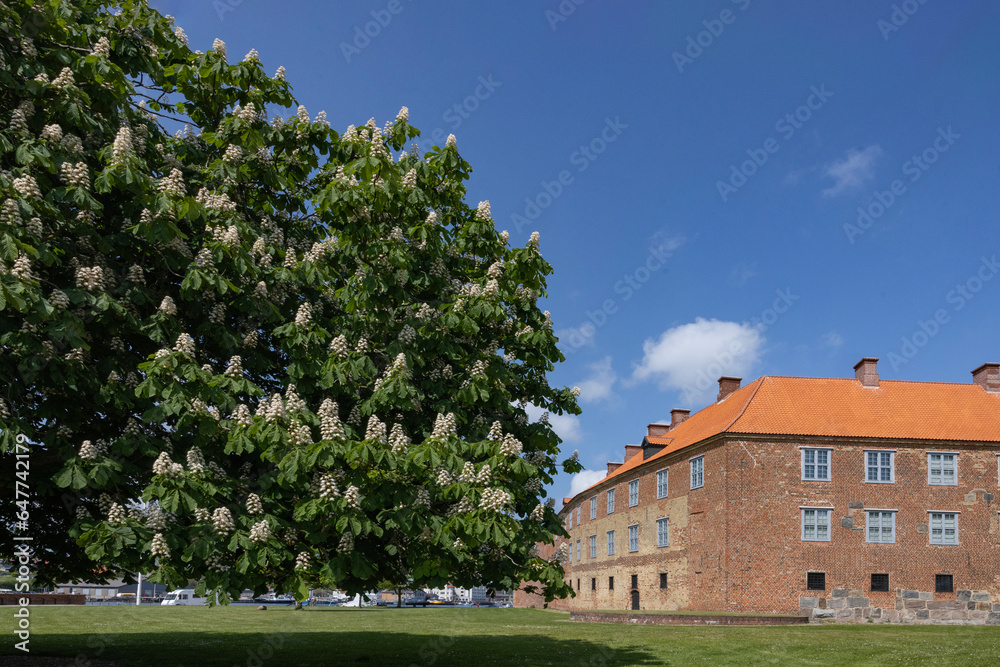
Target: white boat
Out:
[183,596]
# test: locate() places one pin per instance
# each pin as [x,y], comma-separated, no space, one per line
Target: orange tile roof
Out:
[839,407]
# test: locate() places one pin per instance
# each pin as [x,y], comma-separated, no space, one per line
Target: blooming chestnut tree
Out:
[250,350]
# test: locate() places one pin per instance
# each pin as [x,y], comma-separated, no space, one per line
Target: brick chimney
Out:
[677,416]
[657,429]
[728,385]
[866,372]
[614,466]
[987,376]
[632,450]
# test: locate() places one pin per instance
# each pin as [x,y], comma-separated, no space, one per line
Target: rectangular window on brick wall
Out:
[578,551]
[593,546]
[882,526]
[578,522]
[880,583]
[944,583]
[662,487]
[611,501]
[815,524]
[944,527]
[663,532]
[816,464]
[663,579]
[942,469]
[593,583]
[633,493]
[569,520]
[593,508]
[611,543]
[880,467]
[577,585]
[815,581]
[611,583]
[633,538]
[635,581]
[698,472]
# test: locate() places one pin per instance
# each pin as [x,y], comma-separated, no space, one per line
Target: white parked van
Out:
[183,596]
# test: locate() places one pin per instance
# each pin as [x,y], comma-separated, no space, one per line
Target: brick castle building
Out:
[840,498]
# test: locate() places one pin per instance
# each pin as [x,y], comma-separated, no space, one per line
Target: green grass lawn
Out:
[165,636]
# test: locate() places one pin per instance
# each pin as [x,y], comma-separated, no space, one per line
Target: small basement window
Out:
[593,583]
[663,579]
[880,582]
[816,581]
[611,583]
[635,581]
[944,583]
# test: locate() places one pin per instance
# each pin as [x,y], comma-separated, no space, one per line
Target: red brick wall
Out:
[693,561]
[768,559]
[735,544]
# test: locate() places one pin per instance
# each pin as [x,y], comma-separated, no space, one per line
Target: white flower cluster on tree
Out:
[254,505]
[260,532]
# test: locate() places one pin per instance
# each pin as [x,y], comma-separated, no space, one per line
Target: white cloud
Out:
[691,357]
[853,171]
[584,480]
[831,339]
[566,427]
[598,386]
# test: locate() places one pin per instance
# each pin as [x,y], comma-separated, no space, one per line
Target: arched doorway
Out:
[635,600]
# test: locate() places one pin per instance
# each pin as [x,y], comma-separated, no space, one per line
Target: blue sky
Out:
[723,187]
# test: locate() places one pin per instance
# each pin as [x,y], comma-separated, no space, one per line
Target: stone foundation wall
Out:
[850,606]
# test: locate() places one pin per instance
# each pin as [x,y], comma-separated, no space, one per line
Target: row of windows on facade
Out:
[611,582]
[662,539]
[881,525]
[880,468]
[881,528]
[943,583]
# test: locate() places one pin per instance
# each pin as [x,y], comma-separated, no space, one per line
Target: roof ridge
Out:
[759,381]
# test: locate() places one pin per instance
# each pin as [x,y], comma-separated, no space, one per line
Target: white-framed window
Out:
[816,524]
[633,537]
[633,493]
[816,464]
[593,508]
[663,532]
[578,551]
[662,483]
[593,546]
[880,466]
[881,526]
[942,468]
[578,522]
[569,520]
[611,543]
[611,501]
[698,472]
[944,527]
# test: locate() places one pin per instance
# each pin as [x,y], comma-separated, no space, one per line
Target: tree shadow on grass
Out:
[305,649]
